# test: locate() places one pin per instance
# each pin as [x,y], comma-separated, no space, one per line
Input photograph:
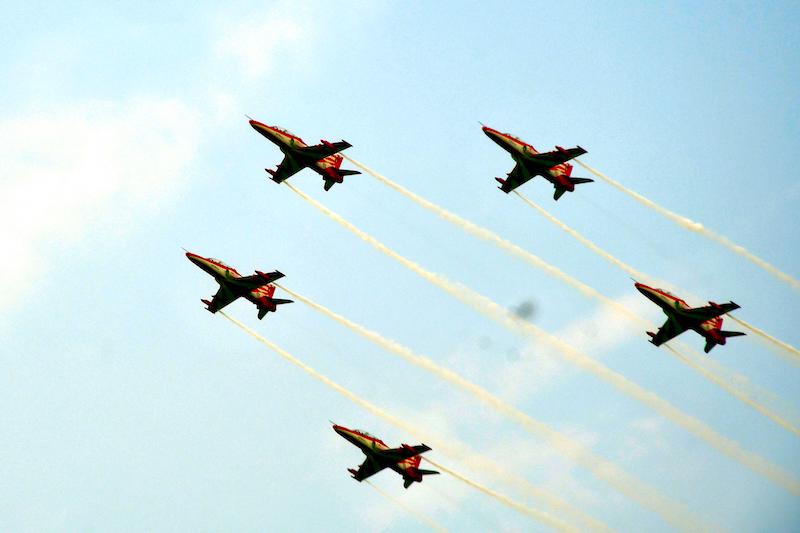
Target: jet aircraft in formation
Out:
[257,288]
[404,460]
[323,158]
[707,321]
[530,163]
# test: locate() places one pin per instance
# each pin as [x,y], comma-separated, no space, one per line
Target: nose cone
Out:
[339,429]
[491,133]
[641,287]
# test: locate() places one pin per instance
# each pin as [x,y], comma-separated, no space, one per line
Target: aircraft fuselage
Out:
[288,143]
[372,448]
[226,275]
[520,151]
[676,308]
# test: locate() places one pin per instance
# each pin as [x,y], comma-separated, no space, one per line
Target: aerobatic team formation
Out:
[325,159]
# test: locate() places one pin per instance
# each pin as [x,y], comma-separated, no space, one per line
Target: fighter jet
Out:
[552,166]
[232,285]
[403,460]
[707,321]
[323,158]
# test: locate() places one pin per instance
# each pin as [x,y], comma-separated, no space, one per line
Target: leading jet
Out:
[257,288]
[404,460]
[707,321]
[323,158]
[530,163]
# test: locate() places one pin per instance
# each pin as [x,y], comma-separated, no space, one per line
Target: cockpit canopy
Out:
[219,262]
[287,132]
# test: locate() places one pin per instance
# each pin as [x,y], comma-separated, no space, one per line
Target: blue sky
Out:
[126,406]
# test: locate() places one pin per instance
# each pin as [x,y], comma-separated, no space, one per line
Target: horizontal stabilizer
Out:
[578,181]
[271,276]
[345,172]
[732,333]
[503,187]
[280,301]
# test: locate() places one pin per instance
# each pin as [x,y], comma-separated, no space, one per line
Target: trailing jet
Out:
[403,460]
[323,158]
[232,285]
[552,166]
[707,321]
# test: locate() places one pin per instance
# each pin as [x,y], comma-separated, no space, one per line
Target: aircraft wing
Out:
[321,151]
[668,331]
[288,168]
[223,297]
[259,279]
[556,157]
[516,177]
[404,452]
[711,311]
[368,468]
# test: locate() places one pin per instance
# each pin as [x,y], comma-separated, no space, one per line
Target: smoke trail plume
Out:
[504,317]
[744,390]
[377,411]
[425,519]
[697,227]
[786,348]
[583,240]
[611,473]
[562,526]
[492,237]
[746,397]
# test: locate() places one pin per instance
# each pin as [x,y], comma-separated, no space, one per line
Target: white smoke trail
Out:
[743,395]
[583,240]
[611,473]
[541,516]
[744,390]
[696,227]
[504,317]
[487,490]
[789,352]
[422,517]
[492,237]
[747,397]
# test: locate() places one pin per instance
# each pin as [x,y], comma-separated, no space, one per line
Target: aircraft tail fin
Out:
[711,342]
[418,473]
[261,312]
[503,187]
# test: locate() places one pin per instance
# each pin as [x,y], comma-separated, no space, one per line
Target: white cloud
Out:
[81,168]
[596,334]
[255,43]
